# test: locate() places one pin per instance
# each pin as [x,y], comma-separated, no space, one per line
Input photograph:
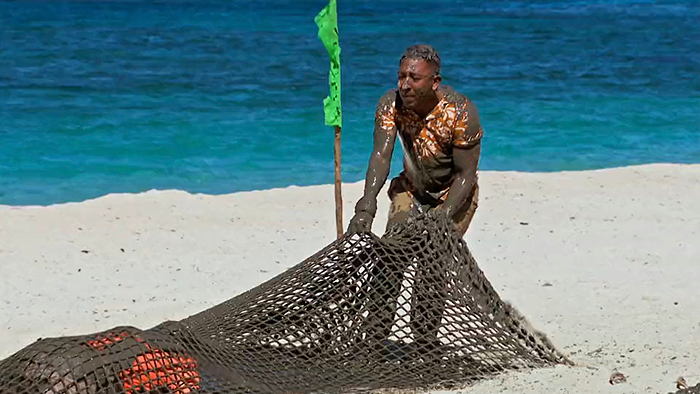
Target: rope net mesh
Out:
[410,310]
[689,390]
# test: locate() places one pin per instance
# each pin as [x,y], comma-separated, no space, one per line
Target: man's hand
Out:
[440,212]
[361,223]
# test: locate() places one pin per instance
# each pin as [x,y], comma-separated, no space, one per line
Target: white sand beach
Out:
[605,262]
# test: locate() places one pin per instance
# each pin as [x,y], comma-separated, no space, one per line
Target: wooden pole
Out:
[338,183]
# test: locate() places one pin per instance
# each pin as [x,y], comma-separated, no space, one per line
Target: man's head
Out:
[419,76]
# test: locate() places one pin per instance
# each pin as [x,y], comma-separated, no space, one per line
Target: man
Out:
[441,137]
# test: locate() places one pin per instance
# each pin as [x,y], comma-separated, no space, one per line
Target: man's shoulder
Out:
[453,96]
[463,105]
[389,97]
[387,103]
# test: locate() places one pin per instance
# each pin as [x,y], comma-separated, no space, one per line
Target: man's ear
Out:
[436,82]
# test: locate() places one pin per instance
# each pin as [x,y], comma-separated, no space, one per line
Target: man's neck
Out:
[427,107]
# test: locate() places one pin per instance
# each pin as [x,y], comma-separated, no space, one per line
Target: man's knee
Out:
[400,209]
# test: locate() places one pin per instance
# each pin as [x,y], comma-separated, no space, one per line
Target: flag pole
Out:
[327,22]
[338,185]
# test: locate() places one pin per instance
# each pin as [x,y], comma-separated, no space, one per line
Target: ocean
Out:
[215,97]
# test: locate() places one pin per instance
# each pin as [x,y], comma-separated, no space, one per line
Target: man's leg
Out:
[400,209]
[431,287]
[429,294]
[387,275]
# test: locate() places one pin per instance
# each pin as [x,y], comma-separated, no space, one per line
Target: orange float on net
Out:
[158,368]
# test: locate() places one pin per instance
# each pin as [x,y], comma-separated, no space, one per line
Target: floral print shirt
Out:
[428,142]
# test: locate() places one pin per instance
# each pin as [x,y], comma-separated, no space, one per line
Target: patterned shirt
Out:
[428,142]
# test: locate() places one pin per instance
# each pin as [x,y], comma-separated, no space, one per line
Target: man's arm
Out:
[466,162]
[465,153]
[379,165]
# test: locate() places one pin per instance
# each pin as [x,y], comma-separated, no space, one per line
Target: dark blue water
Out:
[223,96]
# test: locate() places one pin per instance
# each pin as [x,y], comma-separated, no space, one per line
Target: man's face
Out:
[417,81]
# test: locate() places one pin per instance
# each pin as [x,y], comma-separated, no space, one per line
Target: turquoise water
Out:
[224,96]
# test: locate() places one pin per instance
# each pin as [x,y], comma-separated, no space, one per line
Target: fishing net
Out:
[689,390]
[410,310]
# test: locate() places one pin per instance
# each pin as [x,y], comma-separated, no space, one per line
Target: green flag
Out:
[327,21]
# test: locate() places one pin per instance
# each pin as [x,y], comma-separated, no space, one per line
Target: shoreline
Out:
[345,183]
[604,262]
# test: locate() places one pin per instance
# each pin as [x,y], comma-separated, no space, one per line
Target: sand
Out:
[605,262]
